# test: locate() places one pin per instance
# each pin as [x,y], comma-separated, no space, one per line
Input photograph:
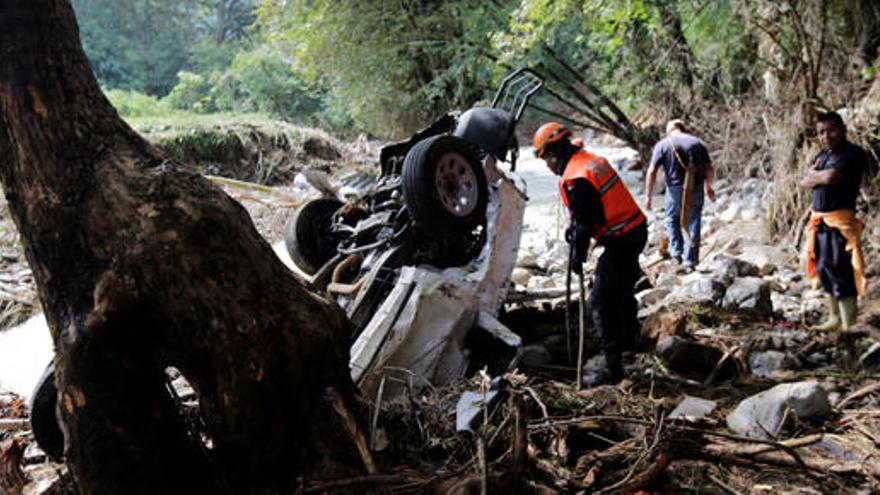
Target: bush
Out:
[192,92]
[262,80]
[136,104]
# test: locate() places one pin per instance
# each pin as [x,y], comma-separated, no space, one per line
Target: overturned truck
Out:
[417,260]
[425,254]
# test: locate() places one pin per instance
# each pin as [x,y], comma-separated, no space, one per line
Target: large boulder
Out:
[761,415]
[699,289]
[751,295]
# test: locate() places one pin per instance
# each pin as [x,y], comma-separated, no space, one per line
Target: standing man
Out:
[833,251]
[679,154]
[600,207]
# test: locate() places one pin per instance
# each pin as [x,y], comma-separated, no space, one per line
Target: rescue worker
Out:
[833,250]
[677,153]
[600,207]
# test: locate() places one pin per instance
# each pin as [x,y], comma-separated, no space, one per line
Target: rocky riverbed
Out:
[726,350]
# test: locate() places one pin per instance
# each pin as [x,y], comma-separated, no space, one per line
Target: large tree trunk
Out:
[141,265]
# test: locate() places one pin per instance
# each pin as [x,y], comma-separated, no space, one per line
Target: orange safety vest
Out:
[622,214]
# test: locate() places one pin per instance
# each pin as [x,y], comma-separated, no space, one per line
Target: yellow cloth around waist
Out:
[851,228]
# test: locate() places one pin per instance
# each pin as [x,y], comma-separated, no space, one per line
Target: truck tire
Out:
[444,186]
[44,422]
[307,234]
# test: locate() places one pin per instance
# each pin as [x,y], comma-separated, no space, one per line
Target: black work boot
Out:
[611,374]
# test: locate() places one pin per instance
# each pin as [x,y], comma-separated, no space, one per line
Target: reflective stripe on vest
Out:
[622,214]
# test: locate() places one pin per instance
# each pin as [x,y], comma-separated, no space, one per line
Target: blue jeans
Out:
[677,246]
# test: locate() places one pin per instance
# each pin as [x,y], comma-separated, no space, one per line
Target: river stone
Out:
[768,363]
[749,294]
[729,269]
[701,289]
[666,279]
[760,415]
[537,355]
[693,409]
[649,297]
[521,276]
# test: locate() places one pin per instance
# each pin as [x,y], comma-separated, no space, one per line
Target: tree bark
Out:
[681,50]
[869,34]
[142,264]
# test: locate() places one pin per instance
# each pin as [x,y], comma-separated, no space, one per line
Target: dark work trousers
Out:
[833,263]
[615,310]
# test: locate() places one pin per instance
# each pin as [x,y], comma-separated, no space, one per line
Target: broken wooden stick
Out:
[858,394]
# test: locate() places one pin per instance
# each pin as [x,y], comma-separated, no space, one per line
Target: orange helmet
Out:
[550,132]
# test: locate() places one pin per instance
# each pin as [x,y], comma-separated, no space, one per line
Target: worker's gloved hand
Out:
[570,234]
[579,240]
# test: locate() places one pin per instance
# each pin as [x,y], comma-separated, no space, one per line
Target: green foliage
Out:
[134,104]
[394,64]
[193,93]
[142,45]
[135,44]
[264,81]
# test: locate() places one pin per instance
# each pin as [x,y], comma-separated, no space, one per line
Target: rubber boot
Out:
[833,322]
[849,309]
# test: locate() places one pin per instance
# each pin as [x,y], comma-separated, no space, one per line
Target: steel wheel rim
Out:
[456,184]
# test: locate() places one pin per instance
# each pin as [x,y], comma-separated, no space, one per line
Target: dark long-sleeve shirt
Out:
[585,207]
[850,160]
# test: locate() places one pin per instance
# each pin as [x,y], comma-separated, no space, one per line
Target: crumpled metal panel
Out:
[420,328]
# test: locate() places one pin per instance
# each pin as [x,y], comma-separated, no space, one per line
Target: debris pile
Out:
[730,392]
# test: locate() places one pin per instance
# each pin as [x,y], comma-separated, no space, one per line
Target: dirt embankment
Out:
[259,151]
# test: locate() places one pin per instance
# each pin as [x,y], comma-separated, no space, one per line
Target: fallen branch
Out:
[858,394]
[14,424]
[362,481]
[648,476]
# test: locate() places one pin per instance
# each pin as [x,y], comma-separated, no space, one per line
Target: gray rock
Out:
[729,269]
[700,289]
[536,355]
[749,294]
[819,358]
[761,415]
[521,276]
[650,297]
[693,409]
[767,258]
[592,368]
[768,363]
[666,279]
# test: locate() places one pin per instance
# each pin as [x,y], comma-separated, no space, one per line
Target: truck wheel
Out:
[44,423]
[307,234]
[444,186]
